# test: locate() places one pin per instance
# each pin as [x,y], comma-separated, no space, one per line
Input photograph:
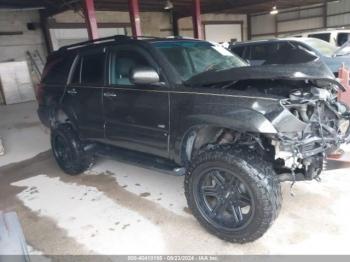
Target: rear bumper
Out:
[44,115]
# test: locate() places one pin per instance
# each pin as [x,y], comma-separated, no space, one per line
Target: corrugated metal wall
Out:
[338,14]
[291,21]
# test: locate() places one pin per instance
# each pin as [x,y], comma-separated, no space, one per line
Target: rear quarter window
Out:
[57,70]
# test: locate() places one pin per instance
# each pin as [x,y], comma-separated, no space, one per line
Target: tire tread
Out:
[82,160]
[259,170]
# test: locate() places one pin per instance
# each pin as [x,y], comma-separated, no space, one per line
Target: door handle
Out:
[109,94]
[72,91]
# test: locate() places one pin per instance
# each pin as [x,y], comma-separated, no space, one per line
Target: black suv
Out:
[235,131]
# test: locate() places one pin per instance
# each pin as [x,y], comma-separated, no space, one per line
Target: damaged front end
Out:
[308,121]
[321,125]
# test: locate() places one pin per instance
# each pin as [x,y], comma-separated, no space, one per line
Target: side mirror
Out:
[144,75]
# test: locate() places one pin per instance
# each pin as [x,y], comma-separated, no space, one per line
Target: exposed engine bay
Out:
[326,128]
[323,123]
[312,125]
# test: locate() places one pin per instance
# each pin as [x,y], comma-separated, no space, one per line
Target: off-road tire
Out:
[79,161]
[256,173]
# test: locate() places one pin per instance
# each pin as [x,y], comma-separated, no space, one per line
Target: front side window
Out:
[190,58]
[123,61]
[92,69]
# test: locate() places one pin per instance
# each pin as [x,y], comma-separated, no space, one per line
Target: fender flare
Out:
[68,112]
[242,120]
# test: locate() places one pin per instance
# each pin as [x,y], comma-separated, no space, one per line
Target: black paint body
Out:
[157,119]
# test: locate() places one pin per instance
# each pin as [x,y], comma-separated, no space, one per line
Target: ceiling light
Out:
[274,10]
[168,5]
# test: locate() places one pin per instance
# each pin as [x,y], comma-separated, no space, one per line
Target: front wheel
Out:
[68,150]
[233,193]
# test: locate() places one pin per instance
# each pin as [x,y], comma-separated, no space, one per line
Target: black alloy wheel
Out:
[62,151]
[223,199]
[68,150]
[233,192]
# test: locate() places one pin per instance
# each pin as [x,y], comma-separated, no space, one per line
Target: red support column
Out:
[135,21]
[46,31]
[90,19]
[196,19]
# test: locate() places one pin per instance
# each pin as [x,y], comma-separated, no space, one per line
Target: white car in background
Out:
[336,37]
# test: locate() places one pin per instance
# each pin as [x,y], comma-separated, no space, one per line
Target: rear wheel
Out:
[233,193]
[68,150]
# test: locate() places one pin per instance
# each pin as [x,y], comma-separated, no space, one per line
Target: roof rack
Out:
[146,37]
[94,41]
[105,39]
[180,37]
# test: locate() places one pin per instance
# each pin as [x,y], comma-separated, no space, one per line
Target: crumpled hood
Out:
[313,70]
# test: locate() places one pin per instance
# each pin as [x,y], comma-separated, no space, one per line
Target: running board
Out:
[141,159]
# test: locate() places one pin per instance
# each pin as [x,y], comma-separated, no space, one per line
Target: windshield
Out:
[321,46]
[191,58]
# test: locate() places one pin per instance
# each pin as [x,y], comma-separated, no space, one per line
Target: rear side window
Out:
[92,68]
[324,36]
[57,70]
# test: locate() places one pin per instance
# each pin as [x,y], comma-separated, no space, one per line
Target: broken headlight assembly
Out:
[325,127]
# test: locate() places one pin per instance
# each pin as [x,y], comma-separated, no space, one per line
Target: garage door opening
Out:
[223,31]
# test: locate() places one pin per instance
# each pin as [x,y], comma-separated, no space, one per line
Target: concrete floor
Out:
[117,208]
